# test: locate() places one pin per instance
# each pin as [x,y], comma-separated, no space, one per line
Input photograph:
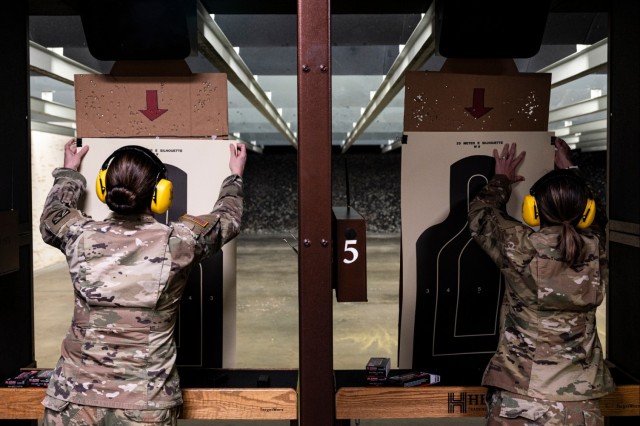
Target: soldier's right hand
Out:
[238,158]
[73,157]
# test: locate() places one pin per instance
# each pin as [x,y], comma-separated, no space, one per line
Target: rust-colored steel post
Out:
[314,215]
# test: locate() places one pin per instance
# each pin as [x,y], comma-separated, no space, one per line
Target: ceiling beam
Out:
[420,47]
[589,136]
[592,135]
[53,129]
[46,62]
[393,144]
[591,126]
[45,115]
[579,109]
[47,111]
[590,60]
[215,46]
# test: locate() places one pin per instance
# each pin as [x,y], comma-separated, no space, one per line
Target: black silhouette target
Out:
[199,328]
[459,288]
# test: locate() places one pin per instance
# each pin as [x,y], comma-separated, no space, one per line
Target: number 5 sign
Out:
[351,246]
[350,255]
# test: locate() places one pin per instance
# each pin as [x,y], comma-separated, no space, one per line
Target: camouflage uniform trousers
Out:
[86,415]
[511,409]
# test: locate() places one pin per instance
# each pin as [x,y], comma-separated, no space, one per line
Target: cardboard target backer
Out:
[456,102]
[142,106]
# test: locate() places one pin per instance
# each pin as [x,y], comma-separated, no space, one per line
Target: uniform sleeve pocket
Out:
[149,416]
[514,407]
[55,404]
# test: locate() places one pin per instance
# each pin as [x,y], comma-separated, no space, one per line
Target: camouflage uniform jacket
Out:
[128,275]
[549,346]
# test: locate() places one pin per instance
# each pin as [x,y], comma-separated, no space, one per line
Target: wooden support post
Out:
[316,388]
[16,304]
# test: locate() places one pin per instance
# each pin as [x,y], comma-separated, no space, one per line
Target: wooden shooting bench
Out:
[208,394]
[355,399]
[223,394]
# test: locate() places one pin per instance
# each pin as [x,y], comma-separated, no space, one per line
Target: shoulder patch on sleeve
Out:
[195,219]
[59,216]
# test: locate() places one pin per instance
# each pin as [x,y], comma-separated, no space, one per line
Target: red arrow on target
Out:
[152,112]
[478,109]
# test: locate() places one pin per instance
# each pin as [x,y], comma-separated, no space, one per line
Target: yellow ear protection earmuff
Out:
[531,215]
[588,215]
[163,191]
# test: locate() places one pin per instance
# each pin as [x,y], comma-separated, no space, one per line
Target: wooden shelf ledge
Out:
[199,403]
[351,403]
[374,402]
[240,404]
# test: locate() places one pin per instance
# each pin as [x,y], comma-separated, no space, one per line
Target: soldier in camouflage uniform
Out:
[128,272]
[549,367]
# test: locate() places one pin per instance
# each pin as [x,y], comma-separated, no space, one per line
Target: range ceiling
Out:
[366,40]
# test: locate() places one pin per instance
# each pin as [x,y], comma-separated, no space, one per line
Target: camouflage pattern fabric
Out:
[128,275]
[509,409]
[549,346]
[69,414]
